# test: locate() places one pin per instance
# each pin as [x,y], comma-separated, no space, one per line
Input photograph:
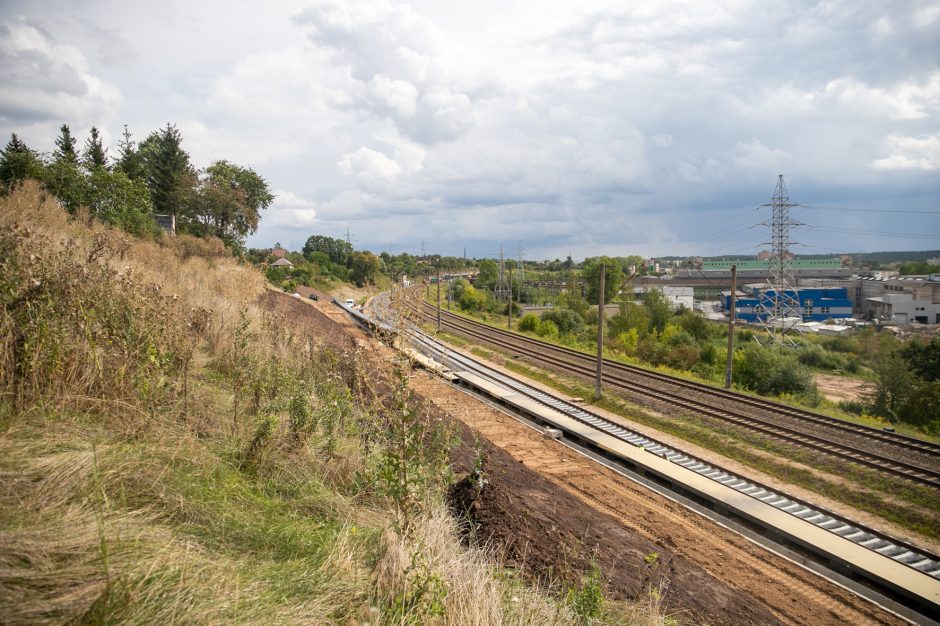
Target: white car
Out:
[350,302]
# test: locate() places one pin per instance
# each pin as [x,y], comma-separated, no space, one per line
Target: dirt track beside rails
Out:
[550,511]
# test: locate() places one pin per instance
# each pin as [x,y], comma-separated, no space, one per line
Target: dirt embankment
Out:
[551,512]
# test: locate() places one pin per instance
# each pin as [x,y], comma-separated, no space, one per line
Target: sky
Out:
[545,128]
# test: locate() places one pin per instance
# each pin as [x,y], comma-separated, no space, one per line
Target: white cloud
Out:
[910,153]
[44,80]
[754,155]
[291,211]
[398,95]
[370,168]
[907,100]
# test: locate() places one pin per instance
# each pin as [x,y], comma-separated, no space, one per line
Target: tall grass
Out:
[175,450]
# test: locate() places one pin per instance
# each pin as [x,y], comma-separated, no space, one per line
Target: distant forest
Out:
[884,258]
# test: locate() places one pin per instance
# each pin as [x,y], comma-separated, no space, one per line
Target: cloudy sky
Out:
[643,127]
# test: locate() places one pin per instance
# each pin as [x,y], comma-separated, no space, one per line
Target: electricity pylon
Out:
[780,302]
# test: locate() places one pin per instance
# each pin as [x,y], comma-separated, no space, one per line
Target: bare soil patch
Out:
[838,388]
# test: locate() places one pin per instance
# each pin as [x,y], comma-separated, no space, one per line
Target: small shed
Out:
[282,263]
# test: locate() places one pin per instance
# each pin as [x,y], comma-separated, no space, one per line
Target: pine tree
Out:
[129,158]
[95,154]
[17,163]
[164,163]
[65,146]
[62,176]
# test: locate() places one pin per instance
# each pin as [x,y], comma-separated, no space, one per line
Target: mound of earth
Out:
[552,538]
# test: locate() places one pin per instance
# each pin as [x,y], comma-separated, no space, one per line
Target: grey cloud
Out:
[393,53]
[45,80]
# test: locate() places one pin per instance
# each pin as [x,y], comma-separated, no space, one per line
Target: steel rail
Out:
[927,447]
[911,555]
[881,463]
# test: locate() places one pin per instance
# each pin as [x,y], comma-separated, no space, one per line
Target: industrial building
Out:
[724,265]
[899,299]
[816,304]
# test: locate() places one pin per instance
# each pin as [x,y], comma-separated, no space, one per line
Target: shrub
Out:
[814,356]
[547,329]
[857,407]
[567,321]
[529,323]
[770,370]
[682,357]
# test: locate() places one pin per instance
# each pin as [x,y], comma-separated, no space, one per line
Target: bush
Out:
[547,329]
[816,357]
[529,323]
[853,406]
[567,321]
[682,357]
[770,370]
[710,354]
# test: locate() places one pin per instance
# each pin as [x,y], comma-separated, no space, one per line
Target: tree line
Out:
[323,259]
[145,179]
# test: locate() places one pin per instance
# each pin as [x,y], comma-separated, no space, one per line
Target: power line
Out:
[854,231]
[839,208]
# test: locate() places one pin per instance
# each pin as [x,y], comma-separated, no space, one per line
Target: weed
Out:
[413,463]
[587,599]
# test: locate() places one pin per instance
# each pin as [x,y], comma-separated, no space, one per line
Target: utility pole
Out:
[438,299]
[600,336]
[509,310]
[520,251]
[734,287]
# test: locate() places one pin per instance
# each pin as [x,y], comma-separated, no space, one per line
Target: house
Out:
[279,252]
[282,262]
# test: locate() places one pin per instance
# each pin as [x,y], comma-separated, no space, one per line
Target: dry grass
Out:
[468,591]
[167,454]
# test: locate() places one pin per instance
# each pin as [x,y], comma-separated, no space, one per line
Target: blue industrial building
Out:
[816,304]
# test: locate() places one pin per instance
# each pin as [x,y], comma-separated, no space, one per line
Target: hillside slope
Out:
[173,448]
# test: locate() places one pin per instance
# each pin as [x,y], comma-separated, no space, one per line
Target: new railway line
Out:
[891,572]
[887,452]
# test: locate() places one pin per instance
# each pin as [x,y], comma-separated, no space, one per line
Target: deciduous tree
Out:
[363,268]
[338,250]
[613,278]
[114,198]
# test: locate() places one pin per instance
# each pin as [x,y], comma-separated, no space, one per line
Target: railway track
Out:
[891,453]
[798,516]
[896,574]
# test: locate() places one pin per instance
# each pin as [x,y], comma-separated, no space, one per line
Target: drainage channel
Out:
[891,548]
